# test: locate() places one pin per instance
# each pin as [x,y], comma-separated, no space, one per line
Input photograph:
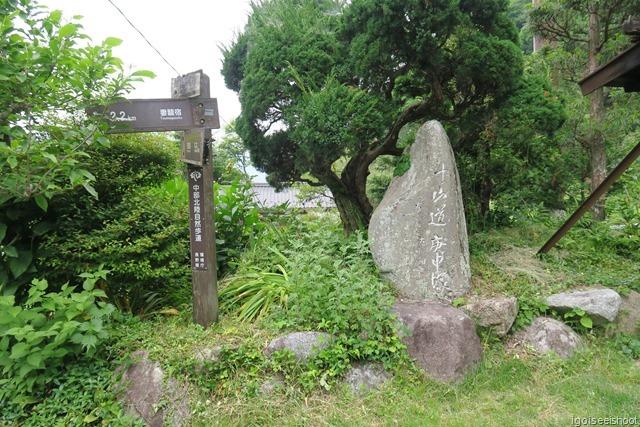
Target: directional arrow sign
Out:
[159,115]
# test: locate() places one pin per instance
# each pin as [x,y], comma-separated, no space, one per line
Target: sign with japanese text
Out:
[159,115]
[198,224]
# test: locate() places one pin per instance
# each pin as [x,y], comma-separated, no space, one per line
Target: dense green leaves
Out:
[322,81]
[50,73]
[37,336]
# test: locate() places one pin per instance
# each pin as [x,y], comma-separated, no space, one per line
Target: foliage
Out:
[138,230]
[328,81]
[251,294]
[528,309]
[49,76]
[585,34]
[578,319]
[513,157]
[39,336]
[230,160]
[629,346]
[144,242]
[324,281]
[50,73]
[237,367]
[83,393]
[237,221]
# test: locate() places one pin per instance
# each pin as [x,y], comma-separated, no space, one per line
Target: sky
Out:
[188,33]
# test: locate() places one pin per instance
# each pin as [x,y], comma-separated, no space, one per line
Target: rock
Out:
[303,344]
[366,376]
[628,321]
[148,396]
[495,313]
[601,305]
[208,355]
[271,385]
[418,233]
[546,335]
[442,340]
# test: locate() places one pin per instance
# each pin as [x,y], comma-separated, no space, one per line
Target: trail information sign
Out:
[190,110]
[159,115]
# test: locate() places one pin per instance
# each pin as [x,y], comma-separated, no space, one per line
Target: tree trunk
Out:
[349,193]
[596,140]
[351,214]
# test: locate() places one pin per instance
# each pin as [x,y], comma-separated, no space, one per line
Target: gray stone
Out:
[148,396]
[546,335]
[628,321]
[271,385]
[498,314]
[208,355]
[418,232]
[366,376]
[601,305]
[303,344]
[442,339]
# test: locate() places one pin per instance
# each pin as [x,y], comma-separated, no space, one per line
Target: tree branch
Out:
[309,182]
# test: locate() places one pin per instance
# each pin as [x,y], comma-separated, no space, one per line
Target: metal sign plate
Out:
[192,146]
[159,115]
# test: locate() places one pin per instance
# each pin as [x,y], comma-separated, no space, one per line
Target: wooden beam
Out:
[592,199]
[612,73]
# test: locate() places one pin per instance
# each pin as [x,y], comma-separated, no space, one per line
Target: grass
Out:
[507,388]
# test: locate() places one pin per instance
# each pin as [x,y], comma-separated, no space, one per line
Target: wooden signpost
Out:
[190,110]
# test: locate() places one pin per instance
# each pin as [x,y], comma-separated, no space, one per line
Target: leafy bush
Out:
[251,294]
[137,230]
[49,72]
[628,345]
[237,221]
[83,393]
[145,245]
[332,286]
[41,335]
[528,309]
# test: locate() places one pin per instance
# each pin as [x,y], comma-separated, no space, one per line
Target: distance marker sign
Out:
[159,115]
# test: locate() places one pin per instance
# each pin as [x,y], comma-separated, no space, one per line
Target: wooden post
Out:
[202,226]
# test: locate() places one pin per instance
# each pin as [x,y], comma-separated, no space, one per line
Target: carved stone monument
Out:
[418,232]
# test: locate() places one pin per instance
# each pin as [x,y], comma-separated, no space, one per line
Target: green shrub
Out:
[39,336]
[332,287]
[251,294]
[145,245]
[83,393]
[237,221]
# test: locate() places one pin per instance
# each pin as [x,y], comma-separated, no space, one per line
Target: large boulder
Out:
[418,233]
[148,396]
[442,339]
[498,314]
[601,305]
[546,335]
[304,345]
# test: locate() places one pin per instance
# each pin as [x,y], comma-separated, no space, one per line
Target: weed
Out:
[578,319]
[39,336]
[528,309]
